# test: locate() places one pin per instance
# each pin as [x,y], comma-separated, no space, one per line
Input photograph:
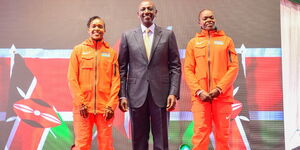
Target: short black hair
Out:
[91,19]
[200,12]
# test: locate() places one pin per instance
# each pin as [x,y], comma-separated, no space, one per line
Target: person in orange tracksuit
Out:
[94,81]
[211,67]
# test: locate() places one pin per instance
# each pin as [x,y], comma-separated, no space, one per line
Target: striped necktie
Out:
[147,43]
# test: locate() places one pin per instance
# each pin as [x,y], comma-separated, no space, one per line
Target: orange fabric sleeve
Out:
[115,85]
[190,67]
[73,77]
[233,68]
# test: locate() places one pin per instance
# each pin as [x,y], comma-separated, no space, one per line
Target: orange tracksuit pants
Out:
[208,116]
[83,128]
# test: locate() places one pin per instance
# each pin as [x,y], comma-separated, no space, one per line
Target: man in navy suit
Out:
[150,71]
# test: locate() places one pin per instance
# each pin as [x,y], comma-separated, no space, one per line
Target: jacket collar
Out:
[92,43]
[213,33]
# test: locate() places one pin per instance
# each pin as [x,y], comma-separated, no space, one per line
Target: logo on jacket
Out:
[199,43]
[105,54]
[86,53]
[219,42]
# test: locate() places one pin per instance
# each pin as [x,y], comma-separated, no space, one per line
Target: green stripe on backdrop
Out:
[188,133]
[271,134]
[61,139]
[295,1]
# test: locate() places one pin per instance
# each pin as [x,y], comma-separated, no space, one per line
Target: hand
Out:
[123,105]
[214,93]
[205,97]
[83,111]
[171,102]
[108,113]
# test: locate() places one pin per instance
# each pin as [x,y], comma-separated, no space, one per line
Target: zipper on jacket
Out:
[115,69]
[95,90]
[229,54]
[208,59]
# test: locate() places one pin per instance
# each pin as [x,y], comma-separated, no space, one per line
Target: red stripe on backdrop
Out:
[31,135]
[51,75]
[264,83]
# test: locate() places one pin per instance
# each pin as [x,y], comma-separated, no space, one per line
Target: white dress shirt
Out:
[151,32]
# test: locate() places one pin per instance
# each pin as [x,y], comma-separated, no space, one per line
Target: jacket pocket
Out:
[200,53]
[86,69]
[87,62]
[201,62]
[165,80]
[115,69]
[85,88]
[131,80]
[230,53]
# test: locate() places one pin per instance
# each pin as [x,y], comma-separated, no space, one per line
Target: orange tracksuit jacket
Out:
[93,76]
[220,72]
[211,61]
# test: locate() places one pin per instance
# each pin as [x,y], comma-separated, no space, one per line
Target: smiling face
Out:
[96,29]
[207,20]
[147,12]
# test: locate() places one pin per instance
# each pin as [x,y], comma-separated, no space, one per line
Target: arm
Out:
[233,68]
[73,76]
[123,66]
[175,73]
[115,84]
[190,69]
[115,87]
[174,67]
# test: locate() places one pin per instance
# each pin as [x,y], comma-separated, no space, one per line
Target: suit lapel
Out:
[156,39]
[140,41]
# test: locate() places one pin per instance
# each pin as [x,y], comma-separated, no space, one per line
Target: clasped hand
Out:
[108,112]
[208,97]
